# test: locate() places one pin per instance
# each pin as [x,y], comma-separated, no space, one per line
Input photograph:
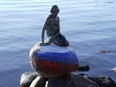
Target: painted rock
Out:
[52,61]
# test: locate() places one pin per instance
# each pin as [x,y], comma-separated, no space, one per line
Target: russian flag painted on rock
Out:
[52,61]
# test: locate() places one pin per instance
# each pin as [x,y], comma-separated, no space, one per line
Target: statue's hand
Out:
[42,44]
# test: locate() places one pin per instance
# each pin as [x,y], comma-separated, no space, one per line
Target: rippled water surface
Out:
[89,25]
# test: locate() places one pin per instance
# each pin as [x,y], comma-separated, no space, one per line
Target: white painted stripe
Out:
[53,48]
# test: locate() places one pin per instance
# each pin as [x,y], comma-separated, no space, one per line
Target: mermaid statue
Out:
[52,28]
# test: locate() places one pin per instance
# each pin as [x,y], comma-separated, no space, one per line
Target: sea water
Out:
[89,26]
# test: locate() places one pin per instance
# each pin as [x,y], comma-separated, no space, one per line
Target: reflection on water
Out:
[89,25]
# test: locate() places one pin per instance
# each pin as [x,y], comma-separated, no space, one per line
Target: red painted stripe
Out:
[54,68]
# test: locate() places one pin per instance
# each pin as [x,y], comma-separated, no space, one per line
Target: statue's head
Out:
[55,9]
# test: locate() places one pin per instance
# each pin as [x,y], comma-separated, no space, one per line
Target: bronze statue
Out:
[52,28]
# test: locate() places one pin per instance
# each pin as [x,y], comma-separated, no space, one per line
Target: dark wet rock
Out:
[38,82]
[84,68]
[32,79]
[109,2]
[65,81]
[103,81]
[27,78]
[105,51]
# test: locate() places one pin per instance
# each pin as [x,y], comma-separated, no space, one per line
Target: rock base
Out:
[32,79]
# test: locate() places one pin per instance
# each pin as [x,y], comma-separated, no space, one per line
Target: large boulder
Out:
[53,61]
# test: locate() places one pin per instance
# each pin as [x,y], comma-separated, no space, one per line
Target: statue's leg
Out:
[53,39]
[65,42]
[60,40]
[48,41]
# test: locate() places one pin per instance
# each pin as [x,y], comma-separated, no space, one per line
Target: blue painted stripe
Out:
[68,57]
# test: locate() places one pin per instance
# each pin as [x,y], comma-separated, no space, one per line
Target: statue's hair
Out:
[54,10]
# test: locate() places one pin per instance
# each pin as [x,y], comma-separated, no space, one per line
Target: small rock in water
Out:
[114,69]
[105,51]
[109,2]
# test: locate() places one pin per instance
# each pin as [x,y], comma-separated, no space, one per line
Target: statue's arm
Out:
[58,25]
[43,30]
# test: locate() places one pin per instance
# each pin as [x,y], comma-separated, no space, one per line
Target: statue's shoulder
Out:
[50,16]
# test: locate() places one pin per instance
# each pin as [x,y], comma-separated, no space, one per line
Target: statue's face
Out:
[55,10]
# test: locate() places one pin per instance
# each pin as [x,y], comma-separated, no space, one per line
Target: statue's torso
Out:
[52,26]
